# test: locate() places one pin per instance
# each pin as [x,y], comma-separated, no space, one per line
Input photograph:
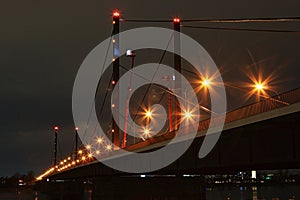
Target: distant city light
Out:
[56,128]
[253,174]
[88,146]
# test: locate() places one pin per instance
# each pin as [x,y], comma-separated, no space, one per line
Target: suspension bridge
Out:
[260,135]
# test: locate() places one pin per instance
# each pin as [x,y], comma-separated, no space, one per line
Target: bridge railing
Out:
[268,104]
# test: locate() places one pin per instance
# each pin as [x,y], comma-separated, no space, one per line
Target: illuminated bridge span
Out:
[258,114]
[262,135]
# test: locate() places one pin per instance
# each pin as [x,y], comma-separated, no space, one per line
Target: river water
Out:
[222,192]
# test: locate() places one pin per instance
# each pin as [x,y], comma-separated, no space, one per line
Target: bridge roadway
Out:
[268,140]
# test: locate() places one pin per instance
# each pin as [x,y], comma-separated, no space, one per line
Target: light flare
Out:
[108,147]
[99,140]
[148,114]
[259,85]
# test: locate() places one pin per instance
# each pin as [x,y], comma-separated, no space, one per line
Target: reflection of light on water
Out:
[88,194]
[266,191]
[254,193]
[36,196]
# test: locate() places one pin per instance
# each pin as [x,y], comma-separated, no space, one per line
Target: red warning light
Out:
[177,20]
[116,14]
[56,128]
[76,129]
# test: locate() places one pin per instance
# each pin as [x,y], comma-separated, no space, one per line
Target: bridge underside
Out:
[268,144]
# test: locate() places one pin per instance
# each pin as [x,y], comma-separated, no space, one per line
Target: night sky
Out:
[44,43]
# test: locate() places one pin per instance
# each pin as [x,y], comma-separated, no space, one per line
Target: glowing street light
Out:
[187,115]
[99,140]
[108,147]
[206,82]
[146,132]
[148,114]
[259,86]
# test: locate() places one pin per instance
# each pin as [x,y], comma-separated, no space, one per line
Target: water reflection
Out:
[88,194]
[262,192]
[254,193]
[222,192]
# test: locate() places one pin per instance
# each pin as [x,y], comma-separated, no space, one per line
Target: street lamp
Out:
[148,114]
[259,86]
[206,82]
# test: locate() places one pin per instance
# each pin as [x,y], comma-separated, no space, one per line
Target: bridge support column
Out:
[177,67]
[116,74]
